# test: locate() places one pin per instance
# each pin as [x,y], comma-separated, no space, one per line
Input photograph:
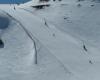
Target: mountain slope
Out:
[60,55]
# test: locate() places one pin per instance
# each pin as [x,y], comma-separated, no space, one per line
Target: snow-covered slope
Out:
[17,56]
[64,52]
[77,18]
[81,20]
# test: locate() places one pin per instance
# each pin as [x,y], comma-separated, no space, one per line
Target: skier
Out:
[90,62]
[46,24]
[84,47]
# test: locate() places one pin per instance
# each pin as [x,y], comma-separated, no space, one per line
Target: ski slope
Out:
[61,55]
[17,57]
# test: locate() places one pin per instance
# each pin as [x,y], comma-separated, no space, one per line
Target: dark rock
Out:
[1,44]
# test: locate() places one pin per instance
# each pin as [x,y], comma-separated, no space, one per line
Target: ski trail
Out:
[32,38]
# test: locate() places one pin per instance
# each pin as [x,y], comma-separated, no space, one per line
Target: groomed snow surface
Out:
[65,36]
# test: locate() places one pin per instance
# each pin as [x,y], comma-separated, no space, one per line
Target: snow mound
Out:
[4,23]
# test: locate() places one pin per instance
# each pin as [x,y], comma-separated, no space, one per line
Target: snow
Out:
[67,42]
[17,57]
[81,25]
[71,17]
